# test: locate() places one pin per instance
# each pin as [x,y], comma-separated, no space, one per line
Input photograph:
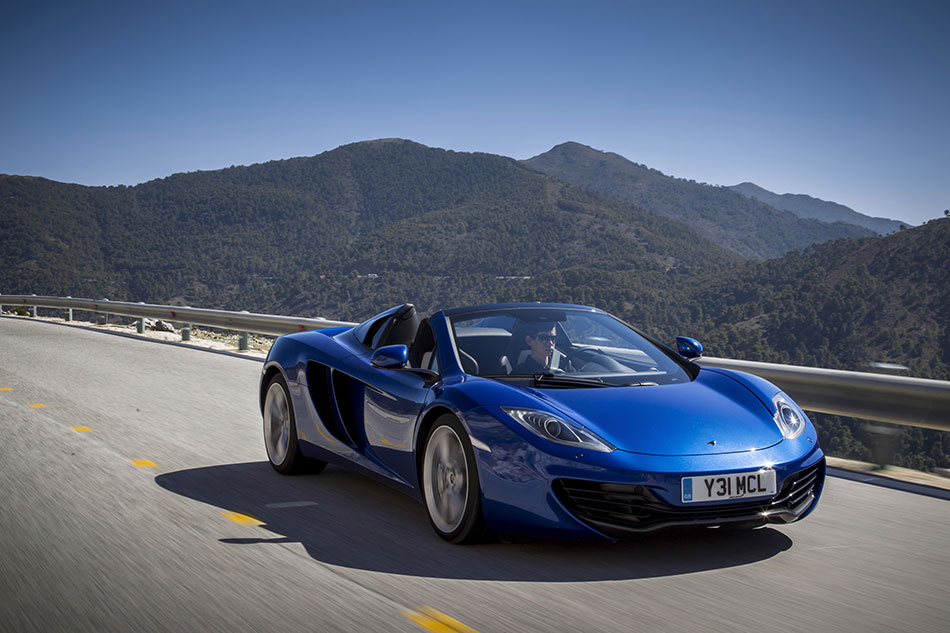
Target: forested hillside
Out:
[349,231]
[736,222]
[266,237]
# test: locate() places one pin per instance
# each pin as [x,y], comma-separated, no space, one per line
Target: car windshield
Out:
[573,343]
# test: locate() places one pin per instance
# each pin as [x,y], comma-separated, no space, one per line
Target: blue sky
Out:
[843,100]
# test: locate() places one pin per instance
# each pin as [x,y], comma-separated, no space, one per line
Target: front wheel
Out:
[280,432]
[451,489]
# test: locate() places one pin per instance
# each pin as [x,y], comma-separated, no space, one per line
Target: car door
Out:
[392,402]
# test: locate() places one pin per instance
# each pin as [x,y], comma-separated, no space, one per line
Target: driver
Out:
[543,357]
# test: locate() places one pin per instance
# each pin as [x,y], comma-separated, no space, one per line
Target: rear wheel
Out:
[280,432]
[451,489]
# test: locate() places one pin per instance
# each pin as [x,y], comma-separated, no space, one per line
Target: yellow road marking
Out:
[242,519]
[80,429]
[6,388]
[436,621]
[37,406]
[143,463]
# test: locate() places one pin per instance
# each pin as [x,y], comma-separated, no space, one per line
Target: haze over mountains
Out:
[736,222]
[808,207]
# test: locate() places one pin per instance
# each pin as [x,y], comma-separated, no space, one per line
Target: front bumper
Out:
[536,488]
[619,509]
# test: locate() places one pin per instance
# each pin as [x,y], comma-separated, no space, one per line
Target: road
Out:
[139,498]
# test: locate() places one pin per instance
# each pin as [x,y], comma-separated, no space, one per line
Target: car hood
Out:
[712,414]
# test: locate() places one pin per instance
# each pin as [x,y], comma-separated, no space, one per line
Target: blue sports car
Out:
[539,419]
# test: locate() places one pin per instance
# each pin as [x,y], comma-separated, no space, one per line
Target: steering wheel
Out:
[604,361]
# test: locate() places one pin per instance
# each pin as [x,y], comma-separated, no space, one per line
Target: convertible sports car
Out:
[539,419]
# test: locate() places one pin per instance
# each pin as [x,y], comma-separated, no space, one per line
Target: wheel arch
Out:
[269,372]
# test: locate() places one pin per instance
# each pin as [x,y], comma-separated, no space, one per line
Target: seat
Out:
[516,345]
[556,359]
[402,328]
[423,347]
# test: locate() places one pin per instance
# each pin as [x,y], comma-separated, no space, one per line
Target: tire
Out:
[450,486]
[280,432]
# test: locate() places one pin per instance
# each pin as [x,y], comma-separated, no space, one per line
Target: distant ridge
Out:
[808,207]
[743,225]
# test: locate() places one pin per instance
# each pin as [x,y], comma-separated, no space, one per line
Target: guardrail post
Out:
[140,326]
[242,344]
[186,332]
[883,441]
[33,311]
[69,314]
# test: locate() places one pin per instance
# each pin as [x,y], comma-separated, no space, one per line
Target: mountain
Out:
[339,233]
[807,207]
[748,227]
[367,225]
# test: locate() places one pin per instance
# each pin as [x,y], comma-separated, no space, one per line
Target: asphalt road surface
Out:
[139,498]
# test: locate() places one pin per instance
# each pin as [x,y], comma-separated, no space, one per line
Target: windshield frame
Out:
[460,314]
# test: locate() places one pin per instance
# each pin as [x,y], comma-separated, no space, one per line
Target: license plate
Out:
[760,483]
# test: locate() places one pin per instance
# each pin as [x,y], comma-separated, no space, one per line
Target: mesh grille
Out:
[628,507]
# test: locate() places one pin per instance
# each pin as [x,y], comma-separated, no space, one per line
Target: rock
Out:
[163,326]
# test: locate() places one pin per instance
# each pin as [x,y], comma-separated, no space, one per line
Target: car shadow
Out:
[342,518]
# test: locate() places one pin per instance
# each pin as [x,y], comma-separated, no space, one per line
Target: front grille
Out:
[613,507]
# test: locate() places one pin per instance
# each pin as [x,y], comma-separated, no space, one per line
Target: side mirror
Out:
[390,357]
[688,347]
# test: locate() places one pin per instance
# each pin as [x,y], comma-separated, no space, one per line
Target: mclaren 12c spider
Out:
[537,419]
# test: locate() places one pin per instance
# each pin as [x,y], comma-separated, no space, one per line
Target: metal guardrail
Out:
[897,399]
[272,324]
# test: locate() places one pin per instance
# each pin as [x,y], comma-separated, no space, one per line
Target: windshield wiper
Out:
[547,378]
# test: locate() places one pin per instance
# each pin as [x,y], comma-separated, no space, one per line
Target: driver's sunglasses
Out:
[544,338]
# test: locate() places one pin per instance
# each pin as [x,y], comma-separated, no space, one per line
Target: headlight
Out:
[554,428]
[789,417]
